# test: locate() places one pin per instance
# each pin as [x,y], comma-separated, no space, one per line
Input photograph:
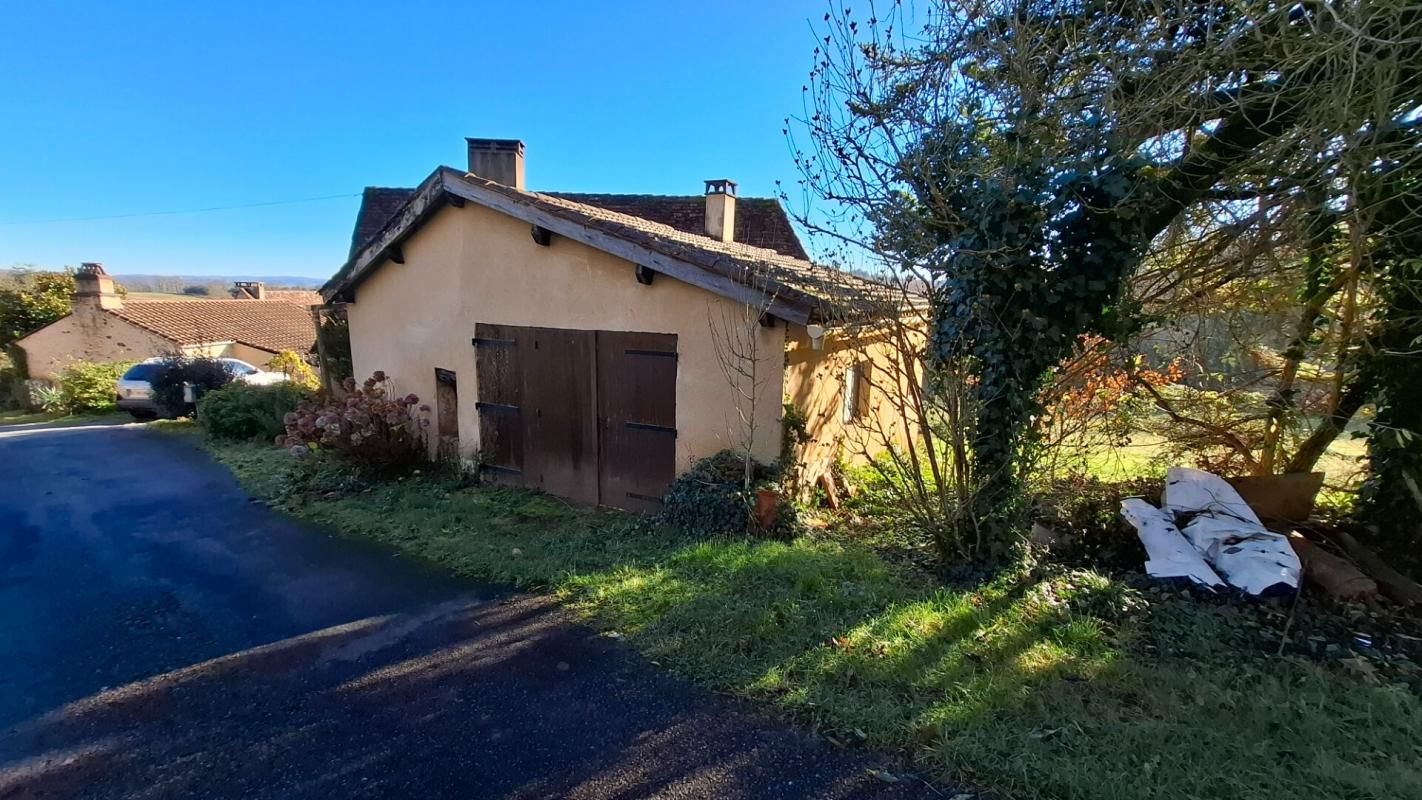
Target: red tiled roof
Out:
[272,325]
[301,297]
[760,221]
[821,292]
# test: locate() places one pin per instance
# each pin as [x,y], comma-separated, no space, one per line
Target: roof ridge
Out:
[670,231]
[624,195]
[651,196]
[797,288]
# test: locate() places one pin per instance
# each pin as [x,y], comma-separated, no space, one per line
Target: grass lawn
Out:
[1341,463]
[1055,683]
[14,417]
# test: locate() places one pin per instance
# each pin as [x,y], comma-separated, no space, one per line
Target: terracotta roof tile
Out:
[272,325]
[301,297]
[834,295]
[760,221]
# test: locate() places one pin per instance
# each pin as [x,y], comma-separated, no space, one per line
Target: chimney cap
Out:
[497,145]
[91,268]
[721,186]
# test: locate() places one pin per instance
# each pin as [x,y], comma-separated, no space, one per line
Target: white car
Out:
[134,391]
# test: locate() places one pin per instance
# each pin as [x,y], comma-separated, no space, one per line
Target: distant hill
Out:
[174,283]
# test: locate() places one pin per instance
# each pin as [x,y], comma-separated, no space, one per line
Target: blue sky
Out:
[126,108]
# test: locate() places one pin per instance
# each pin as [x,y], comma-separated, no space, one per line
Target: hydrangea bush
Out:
[374,431]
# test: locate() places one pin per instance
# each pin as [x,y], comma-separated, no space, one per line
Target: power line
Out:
[183,211]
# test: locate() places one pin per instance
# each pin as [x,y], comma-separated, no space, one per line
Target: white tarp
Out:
[1221,528]
[1169,554]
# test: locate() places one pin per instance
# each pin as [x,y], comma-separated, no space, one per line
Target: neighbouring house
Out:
[596,345]
[102,326]
[257,290]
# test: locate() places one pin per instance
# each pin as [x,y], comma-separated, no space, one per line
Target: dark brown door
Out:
[560,412]
[586,415]
[497,358]
[636,397]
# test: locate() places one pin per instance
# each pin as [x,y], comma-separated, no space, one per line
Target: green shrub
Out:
[242,412]
[295,368]
[48,399]
[710,499]
[12,381]
[1086,513]
[204,374]
[85,388]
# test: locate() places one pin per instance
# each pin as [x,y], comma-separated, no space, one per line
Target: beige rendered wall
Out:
[469,265]
[252,355]
[89,334]
[815,384]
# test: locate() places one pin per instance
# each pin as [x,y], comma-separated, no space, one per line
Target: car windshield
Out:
[239,368]
[142,372]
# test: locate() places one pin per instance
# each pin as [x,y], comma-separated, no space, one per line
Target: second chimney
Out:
[498,160]
[721,210]
[93,288]
[249,290]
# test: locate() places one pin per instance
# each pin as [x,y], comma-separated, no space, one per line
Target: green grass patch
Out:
[1032,684]
[15,417]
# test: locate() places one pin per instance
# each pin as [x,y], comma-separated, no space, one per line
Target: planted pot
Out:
[1280,498]
[767,508]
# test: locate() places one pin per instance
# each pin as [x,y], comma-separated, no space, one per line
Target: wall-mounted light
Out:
[817,336]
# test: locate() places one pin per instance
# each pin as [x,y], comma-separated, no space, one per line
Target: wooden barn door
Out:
[636,377]
[586,415]
[560,412]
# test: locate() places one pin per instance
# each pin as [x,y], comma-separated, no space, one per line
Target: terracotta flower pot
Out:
[767,508]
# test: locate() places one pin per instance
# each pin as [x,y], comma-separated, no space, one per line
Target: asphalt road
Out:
[166,637]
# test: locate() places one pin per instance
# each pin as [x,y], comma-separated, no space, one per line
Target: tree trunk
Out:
[1317,443]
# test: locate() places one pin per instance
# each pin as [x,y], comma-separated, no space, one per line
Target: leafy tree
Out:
[1034,157]
[295,368]
[33,300]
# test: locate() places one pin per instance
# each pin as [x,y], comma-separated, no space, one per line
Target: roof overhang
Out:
[448,186]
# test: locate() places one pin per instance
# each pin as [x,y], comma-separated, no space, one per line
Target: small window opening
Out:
[852,400]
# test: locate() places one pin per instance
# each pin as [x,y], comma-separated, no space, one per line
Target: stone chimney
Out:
[498,160]
[93,288]
[249,290]
[721,210]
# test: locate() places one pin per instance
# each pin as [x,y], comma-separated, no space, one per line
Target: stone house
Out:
[596,345]
[103,327]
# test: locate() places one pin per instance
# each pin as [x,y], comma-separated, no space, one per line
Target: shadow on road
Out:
[169,638]
[503,698]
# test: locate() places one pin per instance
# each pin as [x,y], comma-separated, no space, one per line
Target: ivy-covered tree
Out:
[1034,156]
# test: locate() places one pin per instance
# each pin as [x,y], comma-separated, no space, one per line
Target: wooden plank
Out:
[560,412]
[637,417]
[447,413]
[500,391]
